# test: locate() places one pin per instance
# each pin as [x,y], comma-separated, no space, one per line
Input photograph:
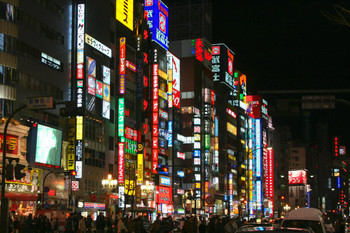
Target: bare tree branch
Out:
[340,17]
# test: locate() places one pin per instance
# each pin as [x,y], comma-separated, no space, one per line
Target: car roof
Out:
[304,214]
[273,229]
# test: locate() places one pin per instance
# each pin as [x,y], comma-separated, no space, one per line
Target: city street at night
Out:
[169,116]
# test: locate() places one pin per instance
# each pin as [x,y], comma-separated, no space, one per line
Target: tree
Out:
[340,17]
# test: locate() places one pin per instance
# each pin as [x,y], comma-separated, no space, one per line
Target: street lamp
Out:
[286,207]
[109,183]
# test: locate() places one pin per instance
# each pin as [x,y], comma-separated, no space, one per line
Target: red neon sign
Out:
[155,119]
[121,164]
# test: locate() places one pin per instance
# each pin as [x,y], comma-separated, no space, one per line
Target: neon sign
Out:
[122,65]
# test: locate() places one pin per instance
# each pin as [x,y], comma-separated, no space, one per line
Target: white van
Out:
[305,218]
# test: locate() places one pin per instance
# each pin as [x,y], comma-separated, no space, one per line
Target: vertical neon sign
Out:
[79,88]
[122,65]
[121,164]
[155,115]
[258,147]
[121,117]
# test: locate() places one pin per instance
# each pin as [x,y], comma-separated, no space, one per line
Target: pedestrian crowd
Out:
[76,223]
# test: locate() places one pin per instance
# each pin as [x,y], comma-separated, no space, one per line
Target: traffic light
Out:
[18,171]
[73,173]
[282,197]
[162,169]
[9,171]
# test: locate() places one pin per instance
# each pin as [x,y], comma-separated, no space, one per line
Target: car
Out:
[253,224]
[268,229]
[305,218]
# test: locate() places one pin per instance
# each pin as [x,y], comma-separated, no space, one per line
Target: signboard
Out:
[165,181]
[257,147]
[106,74]
[254,106]
[35,103]
[94,205]
[155,109]
[91,85]
[75,185]
[11,144]
[80,55]
[222,65]
[139,168]
[269,192]
[157,19]
[163,195]
[130,146]
[98,45]
[121,117]
[174,66]
[125,13]
[121,163]
[121,193]
[122,60]
[297,177]
[71,145]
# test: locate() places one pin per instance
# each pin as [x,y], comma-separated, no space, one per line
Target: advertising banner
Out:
[157,15]
[297,177]
[139,168]
[122,65]
[125,13]
[222,65]
[11,144]
[163,195]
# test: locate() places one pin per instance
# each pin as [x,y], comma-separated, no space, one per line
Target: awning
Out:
[21,196]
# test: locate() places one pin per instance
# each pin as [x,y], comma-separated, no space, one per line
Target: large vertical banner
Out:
[122,61]
[222,65]
[157,19]
[155,114]
[71,145]
[174,67]
[79,120]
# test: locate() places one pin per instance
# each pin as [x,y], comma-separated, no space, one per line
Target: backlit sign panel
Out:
[155,108]
[139,169]
[269,174]
[91,84]
[99,89]
[106,74]
[181,155]
[121,117]
[165,181]
[163,195]
[125,13]
[106,109]
[106,92]
[297,177]
[222,65]
[122,65]
[121,163]
[157,19]
[98,45]
[258,147]
[174,66]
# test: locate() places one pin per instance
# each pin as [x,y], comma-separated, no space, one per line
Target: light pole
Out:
[109,184]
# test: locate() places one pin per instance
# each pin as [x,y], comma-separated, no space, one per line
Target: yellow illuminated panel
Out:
[198,185]
[162,94]
[79,133]
[162,74]
[130,187]
[231,128]
[125,13]
[139,168]
[170,75]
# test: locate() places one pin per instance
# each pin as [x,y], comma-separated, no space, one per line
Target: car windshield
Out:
[314,225]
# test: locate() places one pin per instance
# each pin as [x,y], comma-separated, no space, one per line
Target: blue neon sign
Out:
[158,21]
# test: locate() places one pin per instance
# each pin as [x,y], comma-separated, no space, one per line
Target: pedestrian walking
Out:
[121,226]
[56,225]
[100,223]
[82,226]
[28,224]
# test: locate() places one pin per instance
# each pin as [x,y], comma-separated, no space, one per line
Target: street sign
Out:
[318,102]
[209,200]
[40,103]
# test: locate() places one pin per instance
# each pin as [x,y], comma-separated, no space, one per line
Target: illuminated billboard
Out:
[222,65]
[121,117]
[157,19]
[121,163]
[45,145]
[269,174]
[155,115]
[297,177]
[174,68]
[122,61]
[125,13]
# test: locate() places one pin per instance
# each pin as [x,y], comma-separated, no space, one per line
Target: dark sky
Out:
[285,44]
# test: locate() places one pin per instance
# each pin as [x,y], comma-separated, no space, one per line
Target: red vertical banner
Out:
[121,164]
[155,120]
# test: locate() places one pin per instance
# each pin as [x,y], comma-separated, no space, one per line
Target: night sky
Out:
[285,45]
